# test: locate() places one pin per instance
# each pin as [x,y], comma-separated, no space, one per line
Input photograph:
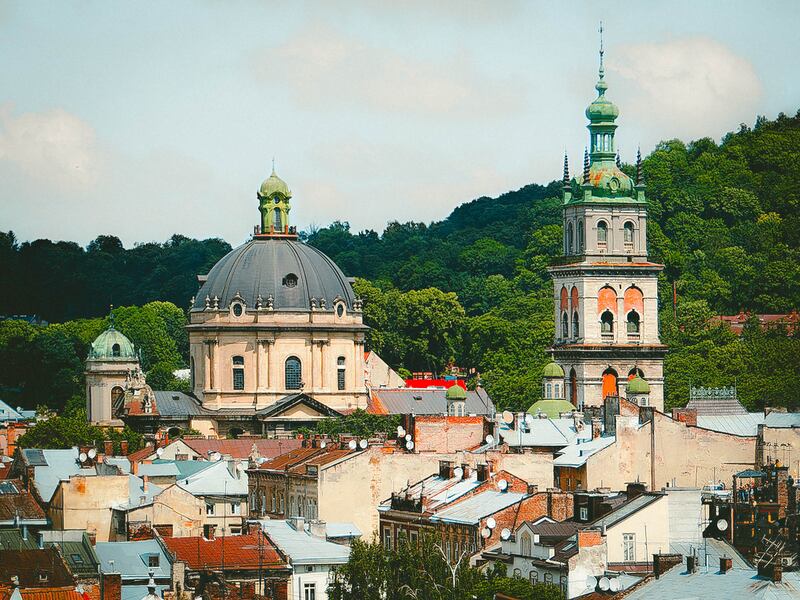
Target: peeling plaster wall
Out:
[690,456]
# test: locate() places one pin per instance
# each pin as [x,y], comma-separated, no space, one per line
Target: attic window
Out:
[290,280]
[43,576]
[77,559]
[237,309]
[152,560]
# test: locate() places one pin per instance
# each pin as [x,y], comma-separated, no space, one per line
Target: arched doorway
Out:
[573,387]
[610,386]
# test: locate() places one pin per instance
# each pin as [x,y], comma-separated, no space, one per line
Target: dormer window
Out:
[290,280]
[237,309]
[340,309]
[115,350]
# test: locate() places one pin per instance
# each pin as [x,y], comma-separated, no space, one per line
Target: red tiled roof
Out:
[290,458]
[240,552]
[321,460]
[57,593]
[243,447]
[19,504]
[142,454]
[375,406]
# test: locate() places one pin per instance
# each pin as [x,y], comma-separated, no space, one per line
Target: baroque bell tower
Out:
[605,288]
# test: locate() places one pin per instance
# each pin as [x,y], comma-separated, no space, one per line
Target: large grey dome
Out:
[291,272]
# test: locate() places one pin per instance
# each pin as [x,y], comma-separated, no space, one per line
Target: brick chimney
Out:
[725,564]
[134,467]
[145,483]
[445,469]
[108,447]
[635,488]
[691,564]
[483,472]
[124,447]
[664,562]
[685,415]
[110,586]
[597,427]
[772,571]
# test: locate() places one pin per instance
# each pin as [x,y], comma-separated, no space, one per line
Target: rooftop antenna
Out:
[273,165]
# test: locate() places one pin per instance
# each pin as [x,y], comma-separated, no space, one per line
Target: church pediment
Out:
[300,406]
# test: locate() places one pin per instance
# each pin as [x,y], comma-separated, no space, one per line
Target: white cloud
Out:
[324,67]
[688,87]
[54,147]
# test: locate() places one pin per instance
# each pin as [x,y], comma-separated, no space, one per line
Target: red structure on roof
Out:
[418,383]
[233,552]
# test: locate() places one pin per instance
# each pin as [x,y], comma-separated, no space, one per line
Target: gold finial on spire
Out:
[273,165]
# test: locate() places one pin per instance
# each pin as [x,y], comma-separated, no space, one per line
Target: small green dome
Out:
[553,370]
[602,109]
[274,185]
[551,408]
[637,385]
[456,392]
[608,180]
[112,345]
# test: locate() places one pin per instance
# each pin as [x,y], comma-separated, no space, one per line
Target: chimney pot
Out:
[124,447]
[725,564]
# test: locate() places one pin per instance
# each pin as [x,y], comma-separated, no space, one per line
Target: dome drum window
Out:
[293,374]
[602,234]
[607,325]
[238,373]
[627,236]
[290,280]
[341,374]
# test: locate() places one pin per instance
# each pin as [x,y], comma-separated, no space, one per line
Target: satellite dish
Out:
[323,443]
[605,584]
[505,534]
[486,532]
[503,485]
[82,457]
[489,438]
[408,437]
[363,444]
[239,467]
[159,452]
[352,444]
[458,472]
[92,453]
[491,523]
[410,445]
[508,417]
[591,582]
[400,431]
[615,585]
[722,525]
[215,456]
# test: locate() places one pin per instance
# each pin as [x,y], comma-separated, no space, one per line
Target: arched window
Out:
[633,322]
[634,372]
[293,373]
[576,331]
[549,393]
[570,238]
[525,544]
[607,322]
[610,383]
[602,232]
[628,233]
[564,326]
[115,350]
[238,372]
[558,390]
[277,221]
[341,373]
[580,236]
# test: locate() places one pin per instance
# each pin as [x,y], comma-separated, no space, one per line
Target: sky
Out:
[144,119]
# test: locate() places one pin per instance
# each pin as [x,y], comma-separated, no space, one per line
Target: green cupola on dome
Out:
[112,345]
[456,392]
[637,385]
[273,204]
[602,178]
[553,370]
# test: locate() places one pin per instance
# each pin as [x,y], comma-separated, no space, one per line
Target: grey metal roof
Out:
[165,469]
[475,508]
[53,466]
[185,468]
[302,548]
[259,267]
[576,455]
[8,413]
[626,510]
[782,420]
[555,433]
[427,401]
[714,549]
[217,480]
[177,404]
[131,559]
[743,425]
[711,405]
[677,584]
[342,530]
